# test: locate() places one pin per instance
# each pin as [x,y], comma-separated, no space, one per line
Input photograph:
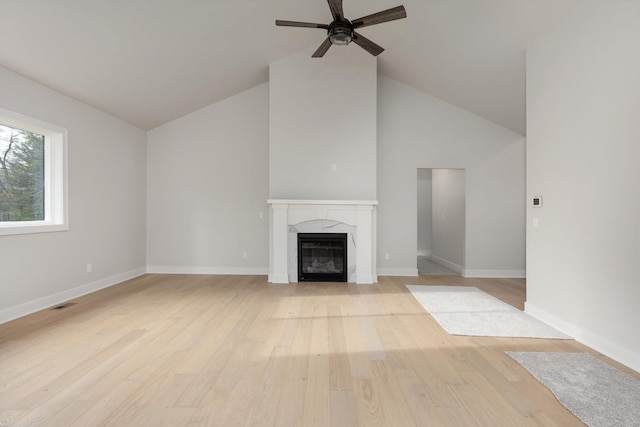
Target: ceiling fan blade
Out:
[336,9]
[367,44]
[392,14]
[324,47]
[282,23]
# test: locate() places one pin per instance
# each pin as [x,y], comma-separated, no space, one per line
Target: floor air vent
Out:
[65,305]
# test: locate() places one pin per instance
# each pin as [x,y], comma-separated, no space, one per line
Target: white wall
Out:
[424,212]
[583,110]
[416,130]
[449,217]
[323,113]
[106,184]
[208,183]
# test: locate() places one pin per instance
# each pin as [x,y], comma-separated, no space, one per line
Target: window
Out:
[32,175]
[21,175]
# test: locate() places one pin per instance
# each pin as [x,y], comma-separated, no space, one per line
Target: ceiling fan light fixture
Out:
[340,34]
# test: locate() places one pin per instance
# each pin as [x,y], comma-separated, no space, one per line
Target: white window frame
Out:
[55,176]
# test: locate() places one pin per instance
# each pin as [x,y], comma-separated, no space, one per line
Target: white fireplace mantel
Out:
[359,215]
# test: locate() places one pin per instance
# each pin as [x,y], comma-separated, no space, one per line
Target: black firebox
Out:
[322,257]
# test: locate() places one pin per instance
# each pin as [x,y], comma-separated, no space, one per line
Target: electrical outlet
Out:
[260,214]
[89,268]
[334,167]
[387,256]
[244,255]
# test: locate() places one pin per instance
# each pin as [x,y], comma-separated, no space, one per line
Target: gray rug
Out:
[464,310]
[593,391]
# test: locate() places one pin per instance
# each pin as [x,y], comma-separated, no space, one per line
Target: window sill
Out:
[30,227]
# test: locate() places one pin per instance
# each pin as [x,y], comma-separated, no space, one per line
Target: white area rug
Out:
[464,310]
[598,394]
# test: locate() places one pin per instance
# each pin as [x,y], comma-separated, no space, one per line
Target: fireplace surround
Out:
[355,218]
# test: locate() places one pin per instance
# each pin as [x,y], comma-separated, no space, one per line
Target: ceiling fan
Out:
[341,31]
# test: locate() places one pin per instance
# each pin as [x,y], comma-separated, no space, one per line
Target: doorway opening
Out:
[441,221]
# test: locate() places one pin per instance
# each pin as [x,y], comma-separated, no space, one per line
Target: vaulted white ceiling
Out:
[151,61]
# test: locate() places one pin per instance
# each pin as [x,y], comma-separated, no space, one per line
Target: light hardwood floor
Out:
[179,350]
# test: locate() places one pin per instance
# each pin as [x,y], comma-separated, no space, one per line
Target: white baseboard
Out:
[443,262]
[615,351]
[273,278]
[26,308]
[424,253]
[369,279]
[412,272]
[235,271]
[500,274]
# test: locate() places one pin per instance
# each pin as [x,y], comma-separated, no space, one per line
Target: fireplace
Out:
[355,218]
[322,257]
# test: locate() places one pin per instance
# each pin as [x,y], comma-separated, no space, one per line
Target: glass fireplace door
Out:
[322,257]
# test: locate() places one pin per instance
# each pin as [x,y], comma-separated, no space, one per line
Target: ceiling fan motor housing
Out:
[340,32]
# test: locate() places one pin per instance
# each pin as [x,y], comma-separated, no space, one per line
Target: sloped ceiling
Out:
[151,61]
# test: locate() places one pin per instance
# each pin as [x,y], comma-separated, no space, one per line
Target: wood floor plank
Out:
[292,393]
[369,405]
[343,409]
[266,395]
[317,393]
[418,398]
[205,350]
[339,365]
[396,407]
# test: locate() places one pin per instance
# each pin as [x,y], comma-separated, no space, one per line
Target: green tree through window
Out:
[21,175]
